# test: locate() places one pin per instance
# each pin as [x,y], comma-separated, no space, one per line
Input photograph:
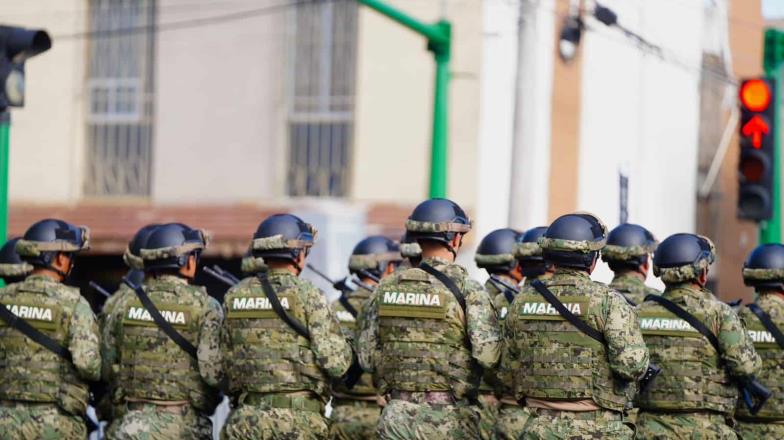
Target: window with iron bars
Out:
[120,98]
[322,65]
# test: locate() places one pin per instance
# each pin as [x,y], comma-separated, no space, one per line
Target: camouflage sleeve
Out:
[509,354]
[108,344]
[627,352]
[84,342]
[482,325]
[736,345]
[367,339]
[209,354]
[332,351]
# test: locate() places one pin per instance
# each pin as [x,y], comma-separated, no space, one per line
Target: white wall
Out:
[47,135]
[641,113]
[220,109]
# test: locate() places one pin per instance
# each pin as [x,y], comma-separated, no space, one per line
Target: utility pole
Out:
[773,63]
[439,42]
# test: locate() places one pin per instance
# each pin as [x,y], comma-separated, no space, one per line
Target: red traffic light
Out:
[752,169]
[756,128]
[755,95]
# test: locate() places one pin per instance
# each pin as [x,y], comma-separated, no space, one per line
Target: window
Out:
[120,98]
[322,66]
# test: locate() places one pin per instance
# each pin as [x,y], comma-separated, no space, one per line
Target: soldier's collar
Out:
[166,278]
[41,278]
[687,289]
[569,272]
[279,271]
[627,276]
[436,261]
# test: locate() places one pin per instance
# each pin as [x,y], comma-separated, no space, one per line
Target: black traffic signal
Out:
[16,46]
[757,153]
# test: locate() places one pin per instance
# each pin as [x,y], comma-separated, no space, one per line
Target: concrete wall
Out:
[641,113]
[394,105]
[220,108]
[47,135]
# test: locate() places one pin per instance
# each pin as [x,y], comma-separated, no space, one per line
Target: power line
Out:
[186,24]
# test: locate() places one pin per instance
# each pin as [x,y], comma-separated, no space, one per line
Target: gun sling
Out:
[347,305]
[446,281]
[292,322]
[159,320]
[508,293]
[688,317]
[569,316]
[768,324]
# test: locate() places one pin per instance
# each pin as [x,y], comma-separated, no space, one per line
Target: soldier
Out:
[281,342]
[628,252]
[12,268]
[51,350]
[495,254]
[764,270]
[429,333]
[165,371]
[696,393]
[410,251]
[512,416]
[133,260]
[575,370]
[355,411]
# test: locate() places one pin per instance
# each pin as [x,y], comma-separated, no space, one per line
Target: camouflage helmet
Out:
[682,257]
[252,265]
[764,268]
[628,245]
[574,240]
[496,250]
[12,267]
[437,220]
[131,256]
[409,248]
[283,236]
[45,239]
[170,245]
[372,255]
[527,247]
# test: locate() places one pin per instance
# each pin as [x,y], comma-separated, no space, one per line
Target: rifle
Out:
[754,394]
[509,290]
[97,287]
[341,284]
[221,275]
[647,378]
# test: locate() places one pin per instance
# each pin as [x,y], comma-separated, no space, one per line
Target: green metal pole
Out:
[439,151]
[5,125]
[770,231]
[439,41]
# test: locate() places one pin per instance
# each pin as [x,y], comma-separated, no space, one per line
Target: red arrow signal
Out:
[756,128]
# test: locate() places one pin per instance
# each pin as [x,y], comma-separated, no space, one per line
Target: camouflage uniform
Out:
[694,395]
[512,416]
[166,393]
[416,340]
[42,395]
[553,361]
[278,379]
[769,422]
[106,410]
[632,287]
[355,412]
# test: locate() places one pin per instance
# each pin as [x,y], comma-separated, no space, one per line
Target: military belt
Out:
[354,402]
[431,397]
[281,401]
[601,414]
[174,409]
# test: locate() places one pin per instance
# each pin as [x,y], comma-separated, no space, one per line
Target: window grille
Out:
[120,98]
[322,65]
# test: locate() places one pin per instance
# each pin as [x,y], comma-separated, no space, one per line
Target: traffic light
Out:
[16,46]
[757,151]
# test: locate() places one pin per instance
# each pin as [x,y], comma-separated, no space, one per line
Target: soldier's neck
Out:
[48,273]
[283,265]
[437,250]
[368,281]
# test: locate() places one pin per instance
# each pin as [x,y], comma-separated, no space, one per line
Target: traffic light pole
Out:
[439,41]
[5,125]
[770,231]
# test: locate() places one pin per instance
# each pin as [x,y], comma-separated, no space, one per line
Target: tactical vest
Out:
[348,324]
[423,338]
[693,375]
[266,355]
[28,371]
[771,374]
[556,360]
[151,365]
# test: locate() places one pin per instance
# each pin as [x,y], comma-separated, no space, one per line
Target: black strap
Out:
[162,324]
[347,305]
[508,293]
[688,317]
[569,316]
[624,293]
[279,310]
[31,332]
[446,281]
[768,323]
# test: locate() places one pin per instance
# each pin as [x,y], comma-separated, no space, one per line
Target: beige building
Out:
[217,113]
